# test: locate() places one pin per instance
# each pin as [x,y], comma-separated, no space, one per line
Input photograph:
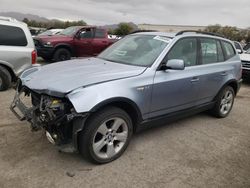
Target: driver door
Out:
[175,90]
[83,43]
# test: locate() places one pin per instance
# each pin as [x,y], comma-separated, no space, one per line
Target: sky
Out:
[101,12]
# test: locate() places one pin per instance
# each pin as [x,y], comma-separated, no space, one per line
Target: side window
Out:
[185,49]
[229,50]
[86,33]
[100,33]
[220,52]
[211,51]
[12,36]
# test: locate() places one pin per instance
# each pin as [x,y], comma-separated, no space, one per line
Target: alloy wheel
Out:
[226,102]
[110,138]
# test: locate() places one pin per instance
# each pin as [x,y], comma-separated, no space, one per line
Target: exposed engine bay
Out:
[52,114]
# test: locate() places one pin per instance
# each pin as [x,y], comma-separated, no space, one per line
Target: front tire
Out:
[61,54]
[5,79]
[224,102]
[106,135]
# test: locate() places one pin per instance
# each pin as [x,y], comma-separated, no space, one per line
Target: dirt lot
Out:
[200,151]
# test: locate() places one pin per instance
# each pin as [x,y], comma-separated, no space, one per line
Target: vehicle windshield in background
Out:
[237,45]
[48,32]
[69,31]
[140,50]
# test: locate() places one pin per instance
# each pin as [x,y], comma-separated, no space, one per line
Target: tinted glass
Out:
[86,33]
[100,33]
[229,50]
[185,49]
[247,46]
[220,52]
[141,50]
[237,45]
[12,36]
[70,31]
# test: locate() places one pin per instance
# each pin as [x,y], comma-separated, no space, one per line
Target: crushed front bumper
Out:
[62,130]
[19,109]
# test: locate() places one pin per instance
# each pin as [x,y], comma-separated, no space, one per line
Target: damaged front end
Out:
[53,114]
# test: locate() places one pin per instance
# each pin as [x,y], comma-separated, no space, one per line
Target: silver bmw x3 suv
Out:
[94,105]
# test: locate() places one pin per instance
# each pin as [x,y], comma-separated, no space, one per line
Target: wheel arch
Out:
[66,46]
[233,83]
[125,104]
[10,70]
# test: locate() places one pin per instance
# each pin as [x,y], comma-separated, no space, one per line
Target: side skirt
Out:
[160,120]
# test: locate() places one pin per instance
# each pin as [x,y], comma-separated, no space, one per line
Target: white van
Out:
[17,50]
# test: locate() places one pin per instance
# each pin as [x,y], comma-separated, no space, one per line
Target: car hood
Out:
[64,77]
[245,57]
[53,38]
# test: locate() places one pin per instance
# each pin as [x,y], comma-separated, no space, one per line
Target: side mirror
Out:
[239,51]
[174,64]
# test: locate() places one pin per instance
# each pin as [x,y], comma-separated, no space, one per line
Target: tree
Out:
[123,29]
[26,20]
[54,23]
[229,32]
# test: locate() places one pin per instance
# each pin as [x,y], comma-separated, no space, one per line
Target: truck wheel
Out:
[224,102]
[106,135]
[61,54]
[5,79]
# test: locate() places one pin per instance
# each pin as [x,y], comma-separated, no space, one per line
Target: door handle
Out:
[195,79]
[223,73]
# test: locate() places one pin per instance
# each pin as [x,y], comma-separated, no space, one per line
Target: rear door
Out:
[175,90]
[100,41]
[214,69]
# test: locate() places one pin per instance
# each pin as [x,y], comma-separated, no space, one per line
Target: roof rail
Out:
[199,32]
[142,30]
[9,19]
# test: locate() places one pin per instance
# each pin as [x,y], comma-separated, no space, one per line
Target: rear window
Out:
[12,36]
[229,49]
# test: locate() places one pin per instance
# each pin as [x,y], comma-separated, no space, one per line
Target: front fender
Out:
[90,98]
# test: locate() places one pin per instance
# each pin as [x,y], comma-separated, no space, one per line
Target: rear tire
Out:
[106,135]
[224,102]
[5,79]
[61,54]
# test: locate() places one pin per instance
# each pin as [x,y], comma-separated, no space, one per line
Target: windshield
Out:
[248,51]
[140,50]
[69,31]
[48,32]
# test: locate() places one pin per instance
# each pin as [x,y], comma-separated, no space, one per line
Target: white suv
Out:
[17,50]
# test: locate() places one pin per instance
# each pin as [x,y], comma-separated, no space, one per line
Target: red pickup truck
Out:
[76,41]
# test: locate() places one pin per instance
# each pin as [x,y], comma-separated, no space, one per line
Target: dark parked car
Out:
[76,41]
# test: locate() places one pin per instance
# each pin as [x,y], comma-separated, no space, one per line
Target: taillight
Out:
[33,57]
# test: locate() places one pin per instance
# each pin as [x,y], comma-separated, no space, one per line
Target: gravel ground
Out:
[199,151]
